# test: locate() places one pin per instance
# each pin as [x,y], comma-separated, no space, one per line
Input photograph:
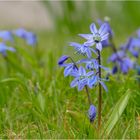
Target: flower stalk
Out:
[100,93]
[88,95]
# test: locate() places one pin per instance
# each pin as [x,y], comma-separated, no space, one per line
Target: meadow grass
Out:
[36,100]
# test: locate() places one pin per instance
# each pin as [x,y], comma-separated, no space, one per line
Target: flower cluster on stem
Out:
[87,71]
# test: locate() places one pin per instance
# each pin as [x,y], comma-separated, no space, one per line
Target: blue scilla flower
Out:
[29,37]
[83,49]
[125,65]
[94,80]
[62,59]
[92,64]
[92,113]
[20,33]
[117,56]
[108,27]
[6,36]
[106,42]
[133,46]
[4,48]
[97,36]
[81,78]
[122,62]
[69,68]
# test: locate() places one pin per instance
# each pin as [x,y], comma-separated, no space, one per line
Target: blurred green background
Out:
[36,101]
[75,16]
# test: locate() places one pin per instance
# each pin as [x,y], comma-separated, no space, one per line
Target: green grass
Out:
[36,100]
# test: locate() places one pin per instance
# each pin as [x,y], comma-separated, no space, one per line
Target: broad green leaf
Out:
[116,113]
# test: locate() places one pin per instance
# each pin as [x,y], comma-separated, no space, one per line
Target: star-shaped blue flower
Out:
[83,49]
[133,46]
[122,62]
[108,27]
[94,80]
[81,78]
[92,64]
[97,36]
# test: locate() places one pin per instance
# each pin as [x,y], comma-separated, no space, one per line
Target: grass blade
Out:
[116,113]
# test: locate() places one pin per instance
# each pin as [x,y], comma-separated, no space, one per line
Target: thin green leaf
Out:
[41,101]
[116,113]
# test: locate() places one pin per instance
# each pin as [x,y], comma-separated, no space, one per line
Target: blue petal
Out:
[104,86]
[89,43]
[20,32]
[105,43]
[90,73]
[105,37]
[93,28]
[67,70]
[88,52]
[134,42]
[83,61]
[113,57]
[4,47]
[128,63]
[105,68]
[31,38]
[135,53]
[74,82]
[124,68]
[96,65]
[103,29]
[86,36]
[74,44]
[62,59]
[82,71]
[114,70]
[82,84]
[99,46]
[75,73]
[92,81]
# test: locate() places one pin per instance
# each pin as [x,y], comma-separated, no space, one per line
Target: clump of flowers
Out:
[8,36]
[121,56]
[86,72]
[29,37]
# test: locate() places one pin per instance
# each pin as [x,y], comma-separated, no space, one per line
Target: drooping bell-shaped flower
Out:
[92,113]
